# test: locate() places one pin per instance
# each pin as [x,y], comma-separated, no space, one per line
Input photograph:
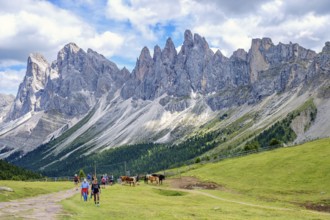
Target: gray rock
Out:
[5,188]
[31,89]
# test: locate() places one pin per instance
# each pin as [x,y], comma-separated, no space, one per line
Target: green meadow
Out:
[24,189]
[287,183]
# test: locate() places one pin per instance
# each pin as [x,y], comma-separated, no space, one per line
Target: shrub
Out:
[82,174]
[252,146]
[274,142]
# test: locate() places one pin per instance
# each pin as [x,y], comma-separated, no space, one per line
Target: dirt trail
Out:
[40,207]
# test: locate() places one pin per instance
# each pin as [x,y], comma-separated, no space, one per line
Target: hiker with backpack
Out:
[96,190]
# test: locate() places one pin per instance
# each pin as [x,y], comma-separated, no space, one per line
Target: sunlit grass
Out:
[146,202]
[24,189]
[295,174]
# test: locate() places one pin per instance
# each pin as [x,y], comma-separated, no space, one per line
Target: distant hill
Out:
[12,172]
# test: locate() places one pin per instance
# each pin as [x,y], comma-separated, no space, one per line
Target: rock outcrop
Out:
[70,85]
[31,89]
[5,104]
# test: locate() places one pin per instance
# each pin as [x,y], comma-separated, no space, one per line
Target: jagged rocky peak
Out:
[194,41]
[67,52]
[240,54]
[326,48]
[71,47]
[219,56]
[256,57]
[143,64]
[188,39]
[36,72]
[145,54]
[29,91]
[157,53]
[261,44]
[201,42]
[169,52]
[38,59]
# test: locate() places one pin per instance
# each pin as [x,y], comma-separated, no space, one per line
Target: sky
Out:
[119,29]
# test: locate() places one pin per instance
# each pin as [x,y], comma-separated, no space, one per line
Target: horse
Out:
[152,178]
[128,179]
[123,179]
[161,177]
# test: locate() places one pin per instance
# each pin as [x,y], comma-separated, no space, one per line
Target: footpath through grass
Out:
[23,189]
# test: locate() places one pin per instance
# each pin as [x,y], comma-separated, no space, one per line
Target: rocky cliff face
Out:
[52,95]
[245,77]
[169,84]
[30,90]
[5,104]
[70,85]
[77,79]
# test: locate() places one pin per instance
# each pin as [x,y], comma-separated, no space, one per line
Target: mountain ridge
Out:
[166,97]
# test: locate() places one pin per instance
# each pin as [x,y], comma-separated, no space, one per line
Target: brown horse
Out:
[152,178]
[161,177]
[128,179]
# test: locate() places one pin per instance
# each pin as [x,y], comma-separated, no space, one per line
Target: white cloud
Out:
[10,80]
[8,26]
[106,43]
[143,15]
[268,19]
[42,27]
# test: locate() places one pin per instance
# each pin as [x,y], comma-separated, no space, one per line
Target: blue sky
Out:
[119,29]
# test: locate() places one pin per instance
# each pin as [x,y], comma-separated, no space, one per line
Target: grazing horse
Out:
[161,177]
[128,179]
[123,179]
[152,178]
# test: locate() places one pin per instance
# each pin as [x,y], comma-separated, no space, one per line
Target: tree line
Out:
[12,172]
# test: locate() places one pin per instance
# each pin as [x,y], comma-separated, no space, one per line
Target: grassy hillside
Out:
[292,175]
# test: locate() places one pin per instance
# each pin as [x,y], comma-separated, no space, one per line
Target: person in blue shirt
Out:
[84,189]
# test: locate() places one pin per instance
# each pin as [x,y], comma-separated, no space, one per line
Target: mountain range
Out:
[84,102]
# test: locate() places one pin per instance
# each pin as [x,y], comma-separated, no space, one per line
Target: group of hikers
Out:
[94,185]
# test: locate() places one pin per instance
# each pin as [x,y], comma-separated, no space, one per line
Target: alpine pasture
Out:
[287,183]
